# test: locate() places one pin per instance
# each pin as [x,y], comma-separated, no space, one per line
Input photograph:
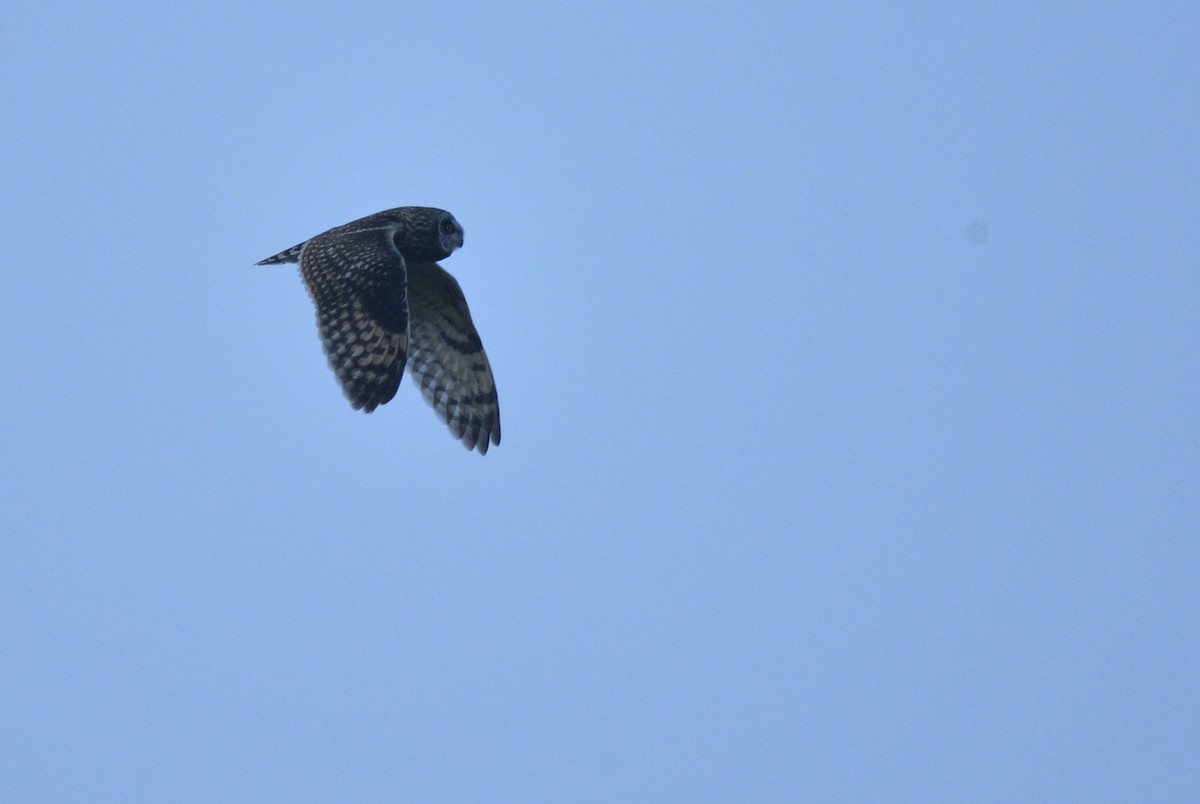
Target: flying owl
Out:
[384,302]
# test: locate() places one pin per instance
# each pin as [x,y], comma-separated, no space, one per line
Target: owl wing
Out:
[448,361]
[357,281]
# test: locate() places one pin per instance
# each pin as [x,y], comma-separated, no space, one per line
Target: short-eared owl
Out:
[383,301]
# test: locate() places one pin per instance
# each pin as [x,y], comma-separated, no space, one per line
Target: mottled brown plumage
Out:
[383,301]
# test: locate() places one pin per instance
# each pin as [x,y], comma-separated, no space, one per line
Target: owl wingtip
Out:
[484,441]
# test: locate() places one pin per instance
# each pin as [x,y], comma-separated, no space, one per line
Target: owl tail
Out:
[288,255]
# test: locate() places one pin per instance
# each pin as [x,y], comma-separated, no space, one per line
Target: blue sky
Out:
[849,371]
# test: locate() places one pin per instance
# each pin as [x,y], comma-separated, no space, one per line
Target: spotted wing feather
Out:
[357,281]
[447,357]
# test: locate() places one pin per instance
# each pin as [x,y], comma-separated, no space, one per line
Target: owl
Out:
[383,302]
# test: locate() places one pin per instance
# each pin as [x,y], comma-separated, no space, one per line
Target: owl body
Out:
[383,303]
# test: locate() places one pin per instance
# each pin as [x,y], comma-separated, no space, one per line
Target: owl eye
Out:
[448,227]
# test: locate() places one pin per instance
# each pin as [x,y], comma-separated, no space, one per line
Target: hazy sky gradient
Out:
[849,369]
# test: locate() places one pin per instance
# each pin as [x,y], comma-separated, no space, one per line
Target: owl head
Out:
[426,234]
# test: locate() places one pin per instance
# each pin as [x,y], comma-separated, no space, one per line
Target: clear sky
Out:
[849,368]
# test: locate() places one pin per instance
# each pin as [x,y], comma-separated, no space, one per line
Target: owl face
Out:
[450,233]
[425,234]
